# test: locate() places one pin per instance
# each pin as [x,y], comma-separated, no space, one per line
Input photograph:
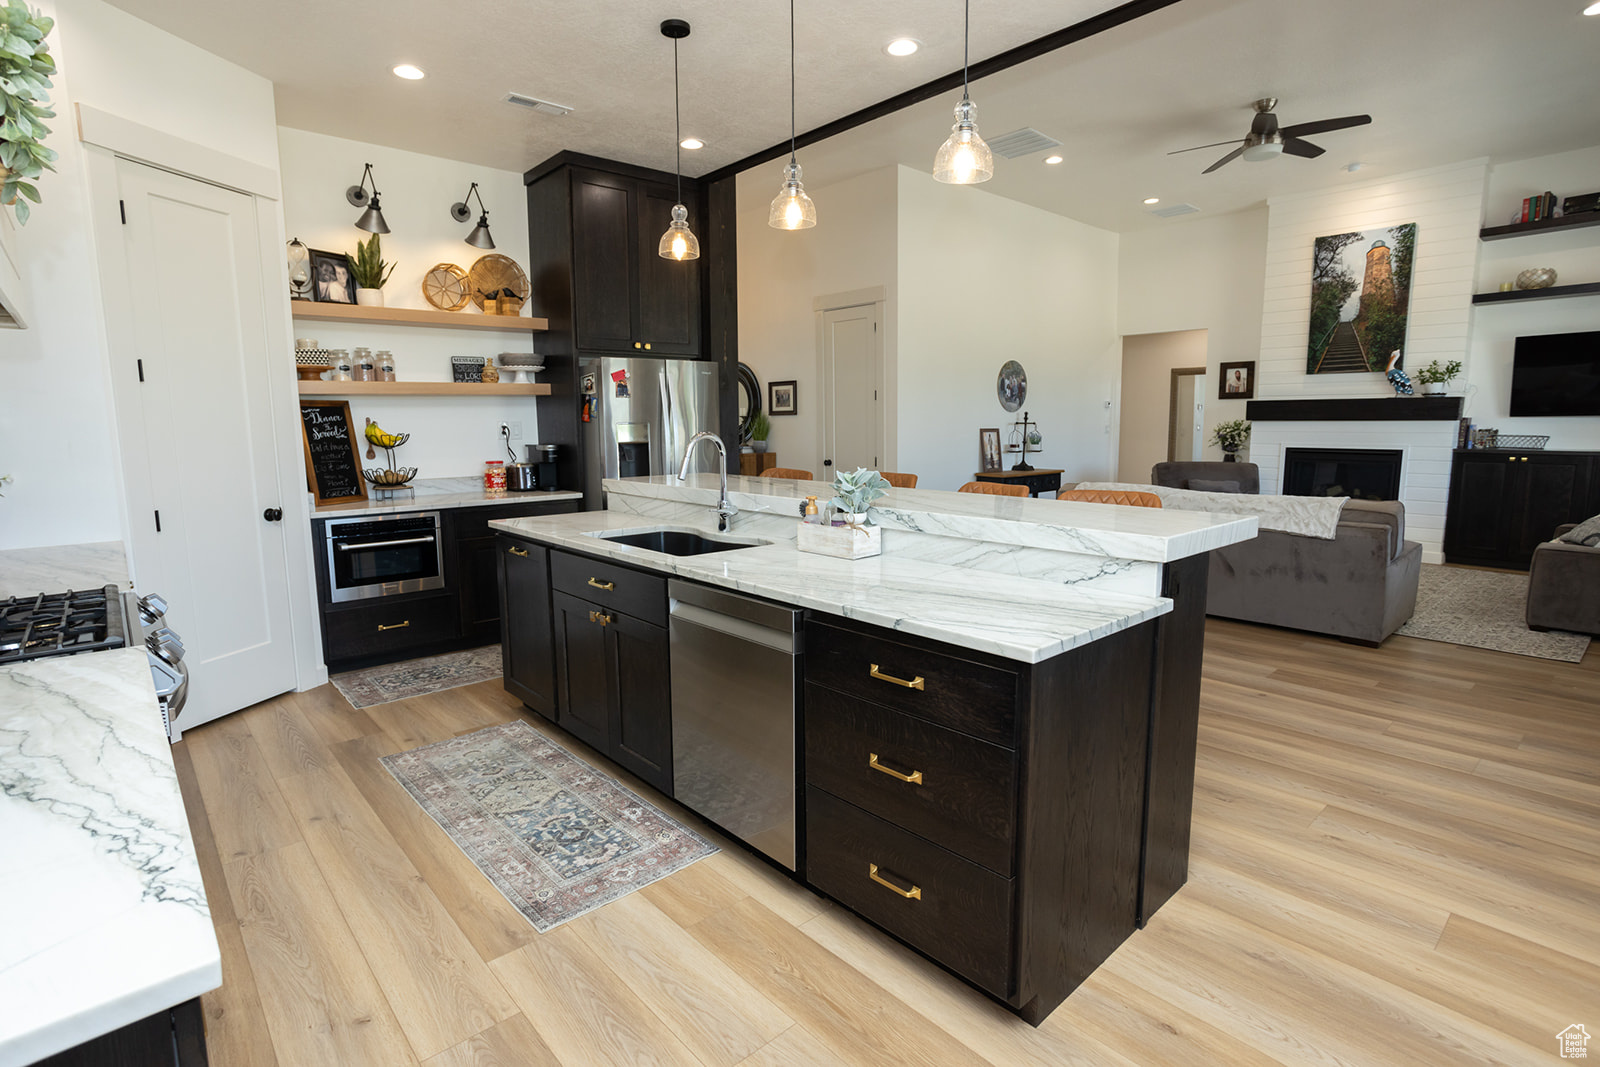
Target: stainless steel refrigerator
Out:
[641,417]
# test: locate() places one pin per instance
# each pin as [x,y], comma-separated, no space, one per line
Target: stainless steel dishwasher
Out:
[735,681]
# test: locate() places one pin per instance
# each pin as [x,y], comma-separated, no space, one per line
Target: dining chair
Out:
[994,489]
[792,473]
[1131,497]
[900,481]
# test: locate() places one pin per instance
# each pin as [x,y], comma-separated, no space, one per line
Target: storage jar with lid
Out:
[341,366]
[385,363]
[494,476]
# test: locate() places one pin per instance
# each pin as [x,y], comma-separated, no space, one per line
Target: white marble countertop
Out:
[437,494]
[30,571]
[1011,617]
[105,914]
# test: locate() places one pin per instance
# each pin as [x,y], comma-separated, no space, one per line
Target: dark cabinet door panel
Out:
[478,585]
[583,670]
[1555,494]
[603,265]
[527,646]
[641,723]
[1504,503]
[669,290]
[1480,506]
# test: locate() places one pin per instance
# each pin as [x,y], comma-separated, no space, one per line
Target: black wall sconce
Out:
[371,219]
[479,237]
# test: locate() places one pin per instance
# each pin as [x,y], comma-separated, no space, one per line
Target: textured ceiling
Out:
[1443,81]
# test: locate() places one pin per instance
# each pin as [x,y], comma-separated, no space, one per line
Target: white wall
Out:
[782,272]
[1495,327]
[1145,407]
[57,433]
[1208,274]
[451,436]
[983,279]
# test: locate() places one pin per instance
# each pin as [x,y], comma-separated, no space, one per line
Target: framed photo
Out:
[781,398]
[989,451]
[1238,381]
[331,280]
[1360,300]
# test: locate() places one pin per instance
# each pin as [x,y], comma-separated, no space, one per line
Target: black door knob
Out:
[272,514]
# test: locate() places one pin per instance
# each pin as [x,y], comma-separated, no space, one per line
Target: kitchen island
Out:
[996,716]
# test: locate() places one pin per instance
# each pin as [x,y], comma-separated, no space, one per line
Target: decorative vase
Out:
[372,298]
[758,447]
[1230,455]
[1537,278]
[1435,388]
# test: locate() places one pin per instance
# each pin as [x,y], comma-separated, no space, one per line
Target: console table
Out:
[1039,480]
[753,463]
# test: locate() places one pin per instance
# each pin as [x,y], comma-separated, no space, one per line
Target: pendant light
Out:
[679,242]
[371,219]
[479,237]
[792,209]
[964,159]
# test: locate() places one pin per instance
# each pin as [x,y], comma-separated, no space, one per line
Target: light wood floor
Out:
[1394,863]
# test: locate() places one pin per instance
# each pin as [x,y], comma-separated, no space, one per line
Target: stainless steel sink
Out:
[676,542]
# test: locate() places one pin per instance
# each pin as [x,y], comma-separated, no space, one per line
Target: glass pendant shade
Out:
[964,159]
[679,242]
[792,209]
[479,237]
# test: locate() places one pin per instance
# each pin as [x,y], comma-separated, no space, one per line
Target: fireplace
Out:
[1362,473]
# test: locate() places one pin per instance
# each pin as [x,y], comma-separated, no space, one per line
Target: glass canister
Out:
[361,366]
[341,366]
[494,476]
[385,363]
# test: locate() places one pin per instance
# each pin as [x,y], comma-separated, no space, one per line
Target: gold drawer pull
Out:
[396,626]
[914,893]
[915,777]
[598,584]
[518,552]
[915,683]
[601,617]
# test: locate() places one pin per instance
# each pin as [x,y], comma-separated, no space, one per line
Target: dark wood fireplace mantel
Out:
[1366,409]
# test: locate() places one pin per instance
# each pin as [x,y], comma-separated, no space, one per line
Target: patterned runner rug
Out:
[554,835]
[416,677]
[1484,609]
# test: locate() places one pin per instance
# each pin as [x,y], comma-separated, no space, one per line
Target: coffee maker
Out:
[542,458]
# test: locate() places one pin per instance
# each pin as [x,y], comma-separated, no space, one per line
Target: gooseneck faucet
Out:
[725,509]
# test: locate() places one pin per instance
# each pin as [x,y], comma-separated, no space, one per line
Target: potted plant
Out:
[1231,436]
[370,272]
[25,69]
[856,537]
[1436,377]
[760,427]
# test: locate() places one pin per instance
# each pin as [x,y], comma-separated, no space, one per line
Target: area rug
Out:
[417,677]
[1484,609]
[554,835]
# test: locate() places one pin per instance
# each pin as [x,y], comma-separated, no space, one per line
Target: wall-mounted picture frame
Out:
[331,280]
[1360,300]
[1237,381]
[989,456]
[782,398]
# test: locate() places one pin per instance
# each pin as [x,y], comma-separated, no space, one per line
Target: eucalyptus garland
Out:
[25,69]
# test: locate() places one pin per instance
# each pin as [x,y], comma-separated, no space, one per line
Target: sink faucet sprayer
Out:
[725,509]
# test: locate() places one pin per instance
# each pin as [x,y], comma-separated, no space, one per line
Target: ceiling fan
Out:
[1267,139]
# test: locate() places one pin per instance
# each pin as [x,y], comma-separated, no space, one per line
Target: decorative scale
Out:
[445,287]
[493,274]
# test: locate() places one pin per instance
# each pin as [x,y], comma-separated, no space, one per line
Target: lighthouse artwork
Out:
[1360,293]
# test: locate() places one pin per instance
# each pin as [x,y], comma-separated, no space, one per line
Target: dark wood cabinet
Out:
[1503,503]
[527,641]
[474,562]
[389,628]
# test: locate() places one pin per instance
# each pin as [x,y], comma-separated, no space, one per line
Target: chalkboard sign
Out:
[333,459]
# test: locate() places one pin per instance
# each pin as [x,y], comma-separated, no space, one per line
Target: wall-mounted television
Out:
[1556,374]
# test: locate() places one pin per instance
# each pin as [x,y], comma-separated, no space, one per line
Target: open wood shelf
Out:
[321,388]
[374,316]
[1518,229]
[1582,289]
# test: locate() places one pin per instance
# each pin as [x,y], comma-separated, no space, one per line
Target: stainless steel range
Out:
[93,620]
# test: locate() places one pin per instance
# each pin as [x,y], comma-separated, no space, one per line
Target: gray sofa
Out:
[1564,587]
[1361,586]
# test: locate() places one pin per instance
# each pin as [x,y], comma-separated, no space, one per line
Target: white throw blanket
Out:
[1309,516]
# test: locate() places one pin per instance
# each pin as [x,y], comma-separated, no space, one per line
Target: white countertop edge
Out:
[57,568]
[440,502]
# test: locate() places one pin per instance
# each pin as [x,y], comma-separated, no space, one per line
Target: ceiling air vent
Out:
[1023,142]
[1167,211]
[544,107]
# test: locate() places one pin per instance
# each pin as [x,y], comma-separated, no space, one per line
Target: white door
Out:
[852,409]
[201,536]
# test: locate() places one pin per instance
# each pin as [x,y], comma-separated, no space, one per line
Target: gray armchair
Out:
[1564,587]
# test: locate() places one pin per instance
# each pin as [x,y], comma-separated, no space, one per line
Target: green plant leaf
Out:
[27,190]
[22,211]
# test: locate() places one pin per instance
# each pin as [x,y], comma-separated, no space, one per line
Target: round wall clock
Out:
[1012,385]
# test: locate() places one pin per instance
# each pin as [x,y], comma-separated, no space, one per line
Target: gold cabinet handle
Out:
[915,777]
[396,626]
[647,344]
[915,683]
[601,617]
[522,552]
[598,584]
[914,893]
[636,344]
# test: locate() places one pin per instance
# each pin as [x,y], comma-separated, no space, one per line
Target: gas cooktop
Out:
[59,624]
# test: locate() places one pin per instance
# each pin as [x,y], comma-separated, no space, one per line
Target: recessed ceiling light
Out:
[1152,200]
[902,46]
[1592,9]
[1052,160]
[408,72]
[691,144]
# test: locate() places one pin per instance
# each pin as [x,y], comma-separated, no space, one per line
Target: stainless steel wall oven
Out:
[372,557]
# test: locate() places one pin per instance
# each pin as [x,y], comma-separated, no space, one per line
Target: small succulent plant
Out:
[854,493]
[367,265]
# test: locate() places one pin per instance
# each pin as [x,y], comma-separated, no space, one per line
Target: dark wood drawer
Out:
[386,625]
[474,521]
[962,914]
[974,698]
[965,795]
[644,596]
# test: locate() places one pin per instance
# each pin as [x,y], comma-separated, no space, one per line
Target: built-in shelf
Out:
[375,316]
[1549,293]
[1518,229]
[321,388]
